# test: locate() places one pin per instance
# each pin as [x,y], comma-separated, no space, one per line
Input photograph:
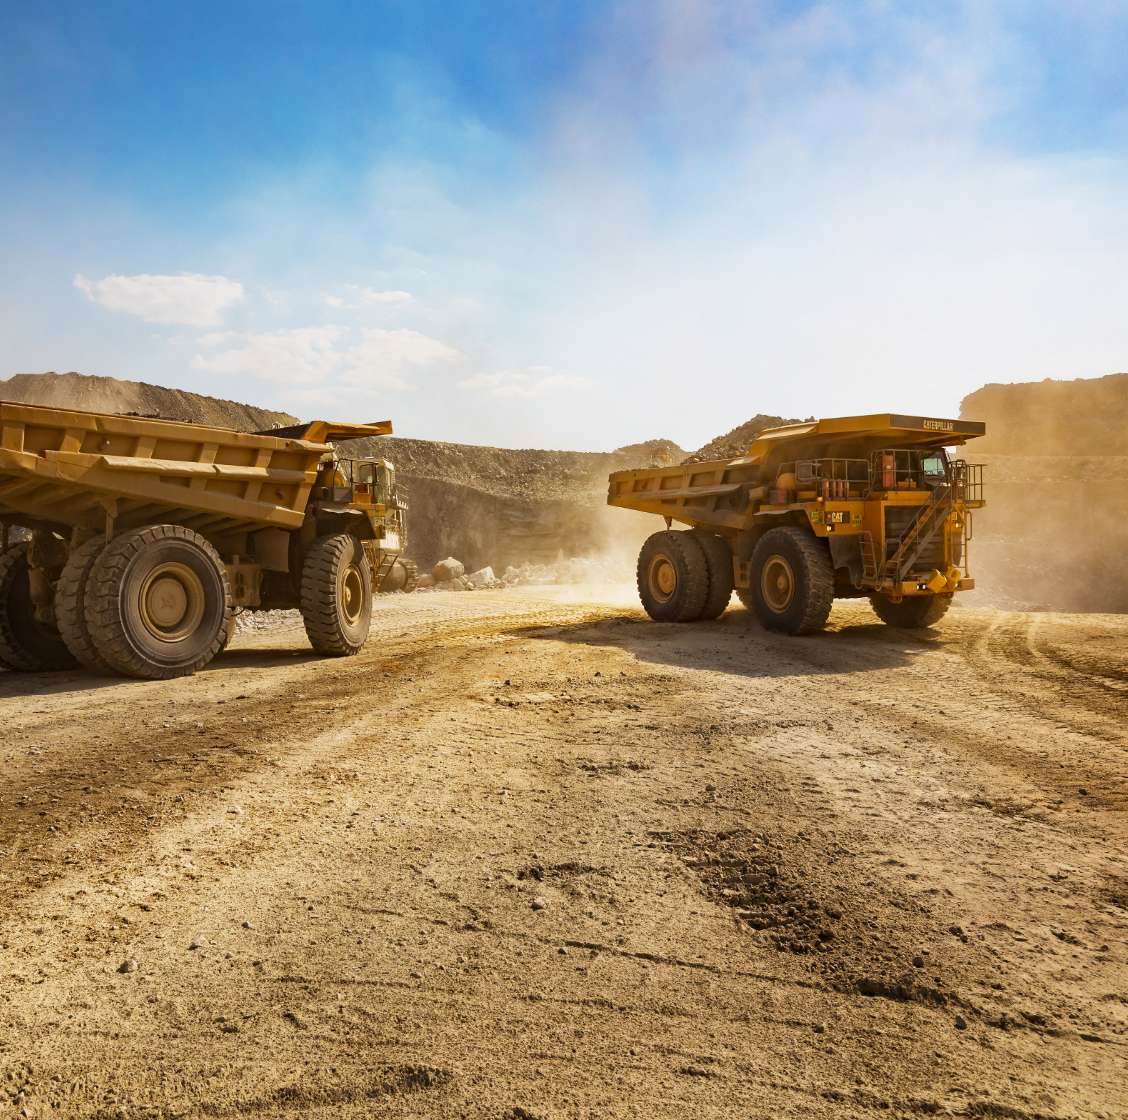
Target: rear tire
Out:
[70,604]
[337,595]
[157,602]
[792,581]
[718,559]
[26,644]
[914,612]
[673,577]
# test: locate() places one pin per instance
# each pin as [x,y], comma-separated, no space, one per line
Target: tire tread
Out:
[70,600]
[907,614]
[14,654]
[103,614]
[817,571]
[718,560]
[319,594]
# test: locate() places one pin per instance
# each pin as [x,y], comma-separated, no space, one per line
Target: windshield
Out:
[934,464]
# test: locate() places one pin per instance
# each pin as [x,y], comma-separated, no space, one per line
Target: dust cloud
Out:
[1054,532]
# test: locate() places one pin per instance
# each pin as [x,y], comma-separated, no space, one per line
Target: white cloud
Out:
[316,355]
[303,356]
[383,357]
[358,298]
[528,383]
[186,298]
[371,295]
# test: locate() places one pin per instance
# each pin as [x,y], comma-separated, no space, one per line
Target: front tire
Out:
[402,576]
[26,644]
[337,595]
[792,581]
[157,603]
[914,612]
[673,577]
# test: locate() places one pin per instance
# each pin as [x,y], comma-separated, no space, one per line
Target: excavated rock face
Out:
[108,394]
[502,506]
[1054,532]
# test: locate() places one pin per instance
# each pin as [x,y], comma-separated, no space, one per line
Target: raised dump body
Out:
[145,536]
[846,507]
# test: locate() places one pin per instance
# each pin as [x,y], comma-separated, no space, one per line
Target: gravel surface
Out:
[532,855]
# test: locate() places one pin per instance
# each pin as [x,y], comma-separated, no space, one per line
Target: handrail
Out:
[899,562]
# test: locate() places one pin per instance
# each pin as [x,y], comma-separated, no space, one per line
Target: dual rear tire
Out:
[688,575]
[155,603]
[27,645]
[684,576]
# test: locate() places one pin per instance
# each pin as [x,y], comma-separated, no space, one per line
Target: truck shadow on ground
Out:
[13,685]
[737,644]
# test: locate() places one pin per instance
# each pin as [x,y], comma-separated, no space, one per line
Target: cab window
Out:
[934,464]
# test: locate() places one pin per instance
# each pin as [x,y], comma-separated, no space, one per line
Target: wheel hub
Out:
[777,583]
[663,578]
[172,602]
[352,593]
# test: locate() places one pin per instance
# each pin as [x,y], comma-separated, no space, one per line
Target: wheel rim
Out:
[172,602]
[777,583]
[663,578]
[352,594]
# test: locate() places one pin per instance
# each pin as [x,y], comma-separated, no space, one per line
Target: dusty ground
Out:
[528,857]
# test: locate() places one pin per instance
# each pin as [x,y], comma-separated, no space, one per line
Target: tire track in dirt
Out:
[383,867]
[66,790]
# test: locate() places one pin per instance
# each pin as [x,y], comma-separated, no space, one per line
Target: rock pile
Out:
[451,575]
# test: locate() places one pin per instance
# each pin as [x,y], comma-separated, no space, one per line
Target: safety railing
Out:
[832,477]
[967,481]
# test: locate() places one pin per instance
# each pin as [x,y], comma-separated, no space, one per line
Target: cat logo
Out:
[939,425]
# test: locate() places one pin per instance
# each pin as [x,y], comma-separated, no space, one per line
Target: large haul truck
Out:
[856,506]
[128,543]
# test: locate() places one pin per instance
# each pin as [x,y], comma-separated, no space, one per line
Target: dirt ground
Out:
[532,856]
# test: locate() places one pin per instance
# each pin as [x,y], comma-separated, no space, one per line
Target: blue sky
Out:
[565,224]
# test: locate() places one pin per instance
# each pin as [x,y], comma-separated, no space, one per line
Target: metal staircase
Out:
[927,523]
[869,557]
[383,568]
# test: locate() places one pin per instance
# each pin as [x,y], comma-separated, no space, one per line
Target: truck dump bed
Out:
[69,468]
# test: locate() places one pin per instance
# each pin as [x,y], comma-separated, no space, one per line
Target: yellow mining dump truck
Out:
[856,506]
[128,543]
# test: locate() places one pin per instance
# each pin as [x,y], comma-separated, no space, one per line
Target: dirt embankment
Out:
[1054,532]
[739,439]
[501,506]
[109,394]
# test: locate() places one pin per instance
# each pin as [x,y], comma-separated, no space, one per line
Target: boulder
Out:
[483,577]
[448,569]
[425,580]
